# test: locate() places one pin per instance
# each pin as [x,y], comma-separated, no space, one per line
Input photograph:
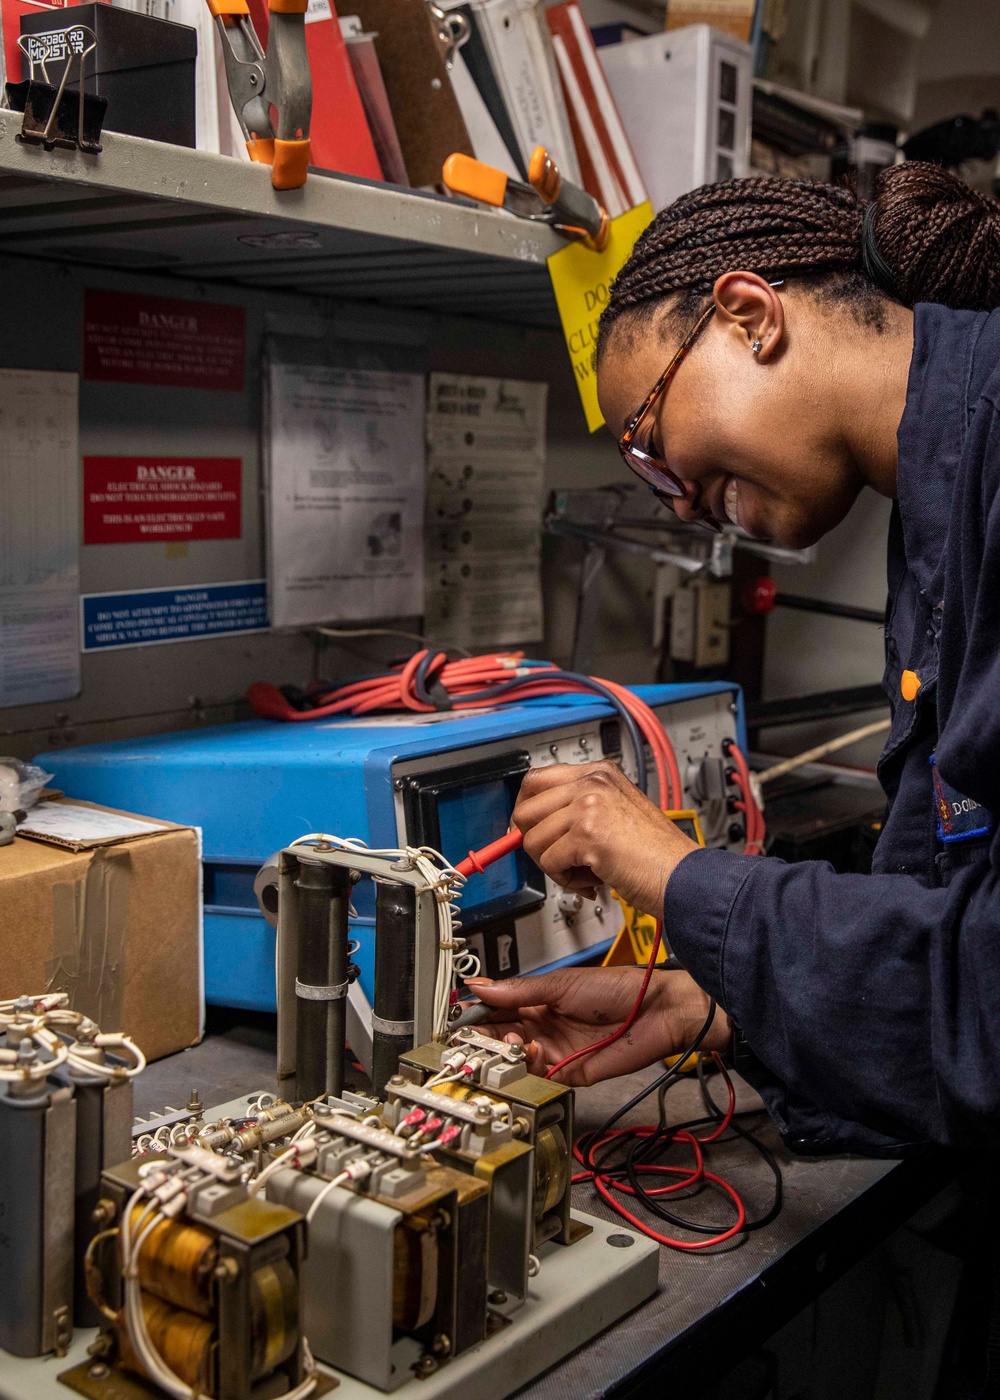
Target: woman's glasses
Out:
[635,445]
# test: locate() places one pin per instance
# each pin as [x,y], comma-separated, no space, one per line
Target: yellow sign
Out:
[581,278]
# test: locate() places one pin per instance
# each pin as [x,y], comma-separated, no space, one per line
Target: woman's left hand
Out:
[587,825]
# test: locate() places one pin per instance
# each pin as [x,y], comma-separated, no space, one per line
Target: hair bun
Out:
[939,238]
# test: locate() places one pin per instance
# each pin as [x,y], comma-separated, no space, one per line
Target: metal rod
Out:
[842,741]
[822,704]
[395,956]
[321,1023]
[820,605]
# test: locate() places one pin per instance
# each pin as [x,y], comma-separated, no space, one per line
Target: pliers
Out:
[279,79]
[547,198]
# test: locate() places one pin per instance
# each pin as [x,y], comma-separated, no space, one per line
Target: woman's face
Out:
[757,438]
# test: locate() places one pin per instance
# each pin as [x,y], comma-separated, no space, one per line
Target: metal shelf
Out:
[146,206]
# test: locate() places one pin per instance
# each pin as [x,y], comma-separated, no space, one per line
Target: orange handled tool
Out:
[546,199]
[277,80]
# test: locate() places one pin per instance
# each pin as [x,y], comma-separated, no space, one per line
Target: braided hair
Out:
[926,236]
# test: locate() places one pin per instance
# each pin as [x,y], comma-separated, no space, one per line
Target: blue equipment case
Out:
[254,787]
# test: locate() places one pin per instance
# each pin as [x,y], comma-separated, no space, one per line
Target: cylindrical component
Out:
[103,1138]
[321,971]
[37,1131]
[274,1316]
[415,1263]
[185,1342]
[392,1007]
[551,1169]
[177,1263]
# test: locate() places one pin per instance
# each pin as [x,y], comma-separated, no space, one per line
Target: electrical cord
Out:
[615,1161]
[428,681]
[753,816]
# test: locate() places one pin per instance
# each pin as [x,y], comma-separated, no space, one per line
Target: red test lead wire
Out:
[476,862]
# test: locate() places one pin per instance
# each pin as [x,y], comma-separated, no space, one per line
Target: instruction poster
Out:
[39,537]
[346,469]
[130,339]
[485,490]
[132,499]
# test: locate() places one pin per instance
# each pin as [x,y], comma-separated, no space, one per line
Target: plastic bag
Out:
[20,784]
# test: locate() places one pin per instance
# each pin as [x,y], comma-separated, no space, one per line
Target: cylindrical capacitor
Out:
[103,1139]
[392,1007]
[37,1132]
[321,979]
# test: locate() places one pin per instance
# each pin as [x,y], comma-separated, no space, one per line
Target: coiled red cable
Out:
[459,681]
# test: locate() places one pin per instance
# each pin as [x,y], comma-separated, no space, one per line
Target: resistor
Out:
[260,1134]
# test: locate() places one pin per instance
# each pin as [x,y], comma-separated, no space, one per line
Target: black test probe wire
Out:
[636,1148]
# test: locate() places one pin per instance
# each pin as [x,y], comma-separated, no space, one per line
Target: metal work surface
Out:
[147,206]
[577,1292]
[709,1310]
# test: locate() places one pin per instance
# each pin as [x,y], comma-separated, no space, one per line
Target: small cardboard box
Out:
[113,920]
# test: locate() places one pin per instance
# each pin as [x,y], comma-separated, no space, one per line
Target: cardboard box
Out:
[113,921]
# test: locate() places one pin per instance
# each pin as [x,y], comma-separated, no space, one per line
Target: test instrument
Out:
[448,780]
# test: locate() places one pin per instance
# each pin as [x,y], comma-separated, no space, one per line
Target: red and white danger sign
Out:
[132,499]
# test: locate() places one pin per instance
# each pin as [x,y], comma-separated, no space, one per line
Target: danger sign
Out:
[132,499]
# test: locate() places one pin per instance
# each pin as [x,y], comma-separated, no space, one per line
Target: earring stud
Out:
[755,347]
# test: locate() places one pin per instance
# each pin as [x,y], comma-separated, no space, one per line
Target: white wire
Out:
[321,1196]
[440,876]
[258,1183]
[135,1317]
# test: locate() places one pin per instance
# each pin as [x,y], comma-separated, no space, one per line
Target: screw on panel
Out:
[497,1297]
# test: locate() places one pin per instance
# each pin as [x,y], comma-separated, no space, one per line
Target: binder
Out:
[476,58]
[487,142]
[521,58]
[374,99]
[425,109]
[606,155]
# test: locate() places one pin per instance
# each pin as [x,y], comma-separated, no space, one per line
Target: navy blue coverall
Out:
[872,1002]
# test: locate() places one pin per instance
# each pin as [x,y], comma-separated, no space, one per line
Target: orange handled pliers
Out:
[278,79]
[547,198]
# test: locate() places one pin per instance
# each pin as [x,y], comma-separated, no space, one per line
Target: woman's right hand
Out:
[557,1013]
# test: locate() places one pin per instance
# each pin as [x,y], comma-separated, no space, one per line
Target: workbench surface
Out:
[711,1307]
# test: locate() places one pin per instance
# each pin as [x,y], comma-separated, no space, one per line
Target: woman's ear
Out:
[753,309]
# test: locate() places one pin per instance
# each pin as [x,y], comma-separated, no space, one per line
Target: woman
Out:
[815,346]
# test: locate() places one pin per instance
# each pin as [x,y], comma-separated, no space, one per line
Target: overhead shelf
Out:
[144,206]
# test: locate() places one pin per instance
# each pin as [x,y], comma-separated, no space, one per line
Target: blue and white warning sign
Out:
[151,616]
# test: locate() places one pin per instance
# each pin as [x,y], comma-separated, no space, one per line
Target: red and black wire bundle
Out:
[627,1169]
[429,682]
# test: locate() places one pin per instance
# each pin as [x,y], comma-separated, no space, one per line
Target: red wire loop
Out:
[609,1187]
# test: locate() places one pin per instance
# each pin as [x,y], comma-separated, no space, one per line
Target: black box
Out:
[143,66]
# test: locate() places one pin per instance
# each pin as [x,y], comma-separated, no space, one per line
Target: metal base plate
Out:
[579,1290]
